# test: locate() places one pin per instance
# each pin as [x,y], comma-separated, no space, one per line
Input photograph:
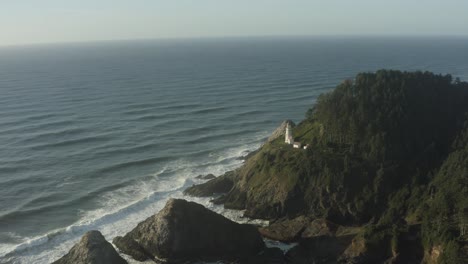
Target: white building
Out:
[297,145]
[288,138]
[306,146]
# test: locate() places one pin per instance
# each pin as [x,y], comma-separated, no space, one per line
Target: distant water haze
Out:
[52,21]
[99,136]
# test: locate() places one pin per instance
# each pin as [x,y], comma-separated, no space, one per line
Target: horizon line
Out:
[227,37]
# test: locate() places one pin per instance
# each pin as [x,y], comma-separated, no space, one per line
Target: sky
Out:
[50,21]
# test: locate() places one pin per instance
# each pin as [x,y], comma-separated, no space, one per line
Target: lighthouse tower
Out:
[288,138]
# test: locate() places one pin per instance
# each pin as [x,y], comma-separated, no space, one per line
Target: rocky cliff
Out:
[185,231]
[387,153]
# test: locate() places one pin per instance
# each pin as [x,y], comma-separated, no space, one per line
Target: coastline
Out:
[141,111]
[67,236]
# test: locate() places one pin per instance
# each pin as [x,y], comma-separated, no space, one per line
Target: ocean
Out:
[100,135]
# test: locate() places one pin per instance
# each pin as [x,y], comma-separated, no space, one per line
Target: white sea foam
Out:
[122,209]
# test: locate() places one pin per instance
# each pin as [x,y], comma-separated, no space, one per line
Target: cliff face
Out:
[262,193]
[267,186]
[280,181]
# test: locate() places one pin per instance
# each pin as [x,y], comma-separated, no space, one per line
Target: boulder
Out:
[130,247]
[186,231]
[363,250]
[432,255]
[319,227]
[92,249]
[285,230]
[292,230]
[356,251]
[221,184]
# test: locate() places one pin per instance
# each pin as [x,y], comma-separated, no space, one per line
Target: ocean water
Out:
[100,135]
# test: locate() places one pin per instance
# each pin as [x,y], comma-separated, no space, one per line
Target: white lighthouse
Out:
[288,138]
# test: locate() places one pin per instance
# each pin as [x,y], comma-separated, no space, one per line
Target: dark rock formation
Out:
[131,247]
[186,231]
[322,249]
[285,231]
[92,249]
[432,255]
[221,184]
[319,227]
[261,191]
[292,230]
[206,177]
[363,250]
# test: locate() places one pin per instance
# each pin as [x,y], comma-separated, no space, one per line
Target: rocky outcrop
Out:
[129,246]
[218,185]
[319,241]
[319,227]
[92,249]
[206,177]
[285,231]
[267,193]
[225,183]
[321,249]
[186,231]
[362,250]
[300,227]
[432,255]
[356,250]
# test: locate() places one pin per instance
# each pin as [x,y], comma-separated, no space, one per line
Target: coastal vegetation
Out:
[387,151]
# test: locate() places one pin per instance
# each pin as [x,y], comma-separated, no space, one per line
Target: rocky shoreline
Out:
[187,232]
[379,182]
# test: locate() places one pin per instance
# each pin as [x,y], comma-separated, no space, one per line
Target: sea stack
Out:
[186,231]
[92,249]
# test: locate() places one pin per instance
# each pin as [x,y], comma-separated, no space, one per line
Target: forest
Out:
[412,130]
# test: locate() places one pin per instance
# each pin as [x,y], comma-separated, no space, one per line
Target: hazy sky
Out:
[36,21]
